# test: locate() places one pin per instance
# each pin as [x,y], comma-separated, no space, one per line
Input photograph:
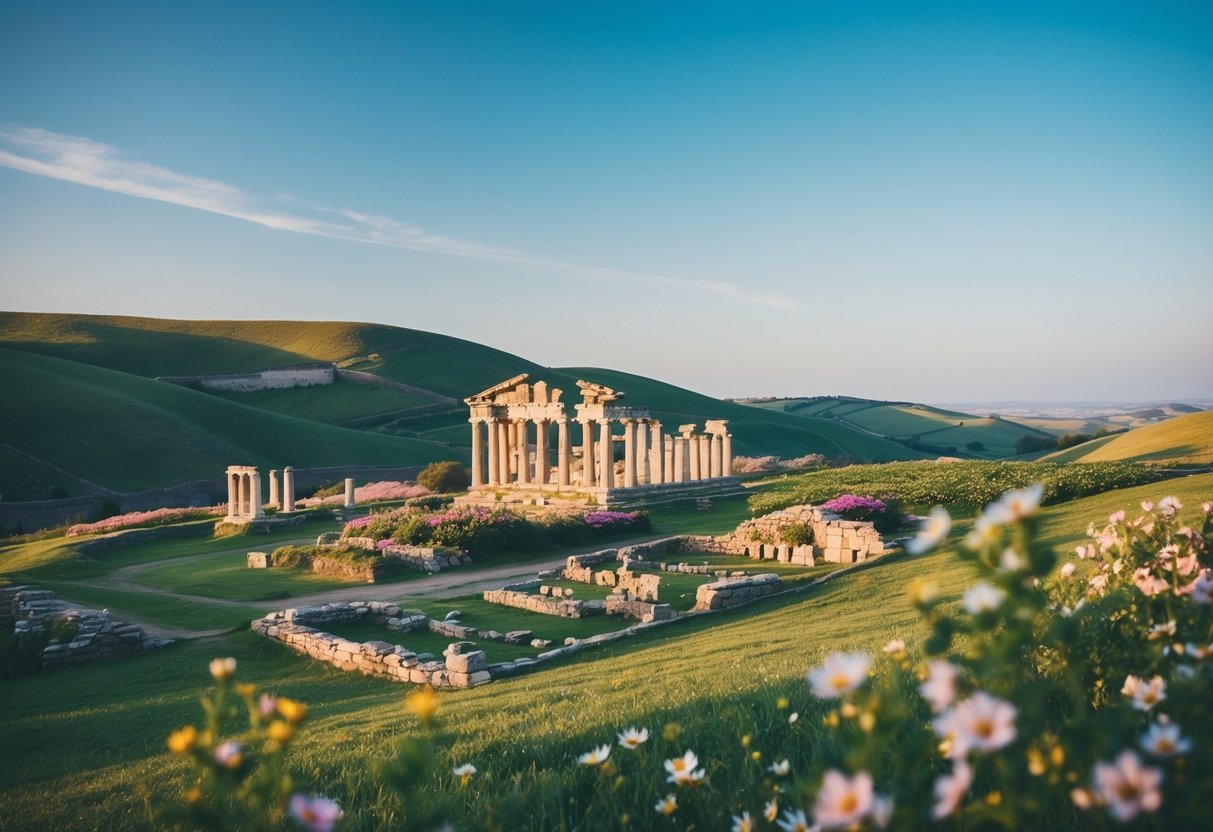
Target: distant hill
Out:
[85,401]
[1182,440]
[929,429]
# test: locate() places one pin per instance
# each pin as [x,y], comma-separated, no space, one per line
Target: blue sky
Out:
[936,202]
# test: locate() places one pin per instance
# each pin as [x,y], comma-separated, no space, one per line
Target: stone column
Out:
[477,454]
[242,499]
[587,454]
[693,452]
[503,453]
[275,491]
[680,459]
[717,455]
[629,453]
[564,452]
[494,468]
[726,456]
[642,452]
[511,443]
[233,495]
[349,493]
[543,461]
[258,506]
[288,488]
[705,457]
[667,464]
[656,455]
[523,451]
[606,453]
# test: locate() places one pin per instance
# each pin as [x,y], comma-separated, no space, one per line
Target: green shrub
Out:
[1030,443]
[975,446]
[444,477]
[288,556]
[797,534]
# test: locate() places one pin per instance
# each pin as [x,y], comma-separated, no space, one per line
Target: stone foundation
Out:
[544,605]
[619,604]
[462,667]
[730,592]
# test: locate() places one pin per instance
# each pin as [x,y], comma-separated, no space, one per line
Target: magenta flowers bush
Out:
[372,492]
[135,519]
[853,503]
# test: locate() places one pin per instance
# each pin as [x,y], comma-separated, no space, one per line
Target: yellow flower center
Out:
[1126,791]
[1164,746]
[849,803]
[984,729]
[839,681]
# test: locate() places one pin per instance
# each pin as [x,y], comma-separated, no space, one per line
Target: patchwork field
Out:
[717,679]
[1182,440]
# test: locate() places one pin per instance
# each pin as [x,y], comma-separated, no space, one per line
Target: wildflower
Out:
[794,821]
[1202,587]
[1162,630]
[292,711]
[245,690]
[780,768]
[1098,584]
[183,739]
[193,795]
[1010,561]
[842,801]
[895,647]
[882,810]
[940,687]
[633,739]
[951,789]
[229,754]
[267,705]
[982,598]
[671,732]
[983,532]
[771,810]
[782,703]
[932,532]
[1200,652]
[682,770]
[1067,570]
[743,823]
[1015,505]
[792,717]
[423,702]
[595,756]
[1169,505]
[1145,695]
[1164,740]
[223,669]
[668,805]
[922,593]
[840,674]
[1127,787]
[464,773]
[318,814]
[982,722]
[280,732]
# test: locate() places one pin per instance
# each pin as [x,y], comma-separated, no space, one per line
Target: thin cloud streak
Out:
[102,166]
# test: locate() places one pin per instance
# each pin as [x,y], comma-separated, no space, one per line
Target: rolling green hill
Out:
[1182,440]
[917,424]
[128,433]
[88,402]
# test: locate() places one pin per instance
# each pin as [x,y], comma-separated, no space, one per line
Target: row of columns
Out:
[244,492]
[501,454]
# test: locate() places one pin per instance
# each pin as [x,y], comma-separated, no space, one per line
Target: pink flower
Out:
[319,814]
[1202,587]
[1145,694]
[1147,583]
[980,723]
[843,800]
[940,687]
[1127,787]
[950,789]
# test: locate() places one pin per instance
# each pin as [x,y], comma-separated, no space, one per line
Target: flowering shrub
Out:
[885,514]
[759,464]
[136,519]
[967,484]
[373,492]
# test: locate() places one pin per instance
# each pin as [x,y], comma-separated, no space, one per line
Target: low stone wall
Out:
[645,551]
[619,604]
[835,539]
[730,592]
[97,635]
[565,608]
[462,665]
[645,587]
[579,567]
[426,558]
[304,375]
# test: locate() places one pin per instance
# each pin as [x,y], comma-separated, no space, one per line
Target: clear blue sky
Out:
[944,202]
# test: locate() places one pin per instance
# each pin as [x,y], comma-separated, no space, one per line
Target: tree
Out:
[444,477]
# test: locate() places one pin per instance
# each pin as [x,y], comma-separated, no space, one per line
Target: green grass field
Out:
[1182,440]
[82,742]
[332,404]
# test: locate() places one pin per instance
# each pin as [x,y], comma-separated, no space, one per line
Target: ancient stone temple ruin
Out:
[243,494]
[513,449]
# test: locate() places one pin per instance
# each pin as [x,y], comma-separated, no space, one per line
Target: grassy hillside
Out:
[1182,440]
[128,433]
[717,678]
[908,422]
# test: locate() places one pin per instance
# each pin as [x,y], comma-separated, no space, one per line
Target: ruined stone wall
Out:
[618,604]
[730,592]
[834,539]
[304,376]
[462,665]
[565,608]
[578,567]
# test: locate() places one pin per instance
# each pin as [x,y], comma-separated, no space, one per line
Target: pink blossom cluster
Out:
[854,502]
[755,464]
[372,492]
[359,523]
[386,542]
[135,519]
[460,515]
[599,519]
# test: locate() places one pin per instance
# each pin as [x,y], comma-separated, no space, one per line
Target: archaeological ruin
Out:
[513,452]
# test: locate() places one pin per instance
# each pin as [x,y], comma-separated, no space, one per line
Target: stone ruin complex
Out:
[506,459]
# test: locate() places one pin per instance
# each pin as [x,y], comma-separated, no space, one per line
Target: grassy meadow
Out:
[81,744]
[1182,440]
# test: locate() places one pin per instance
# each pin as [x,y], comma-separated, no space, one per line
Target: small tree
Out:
[444,477]
[976,447]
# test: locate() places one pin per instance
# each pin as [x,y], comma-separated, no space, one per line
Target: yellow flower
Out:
[294,712]
[280,731]
[423,703]
[994,798]
[193,795]
[223,669]
[667,805]
[246,690]
[745,741]
[183,739]
[782,703]
[922,592]
[756,756]
[849,711]
[671,732]
[867,721]
[831,719]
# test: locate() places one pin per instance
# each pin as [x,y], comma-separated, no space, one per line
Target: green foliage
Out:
[975,446]
[797,534]
[444,477]
[1031,443]
[329,490]
[291,556]
[963,483]
[20,653]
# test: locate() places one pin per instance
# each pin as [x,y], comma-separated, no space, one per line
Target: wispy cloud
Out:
[98,165]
